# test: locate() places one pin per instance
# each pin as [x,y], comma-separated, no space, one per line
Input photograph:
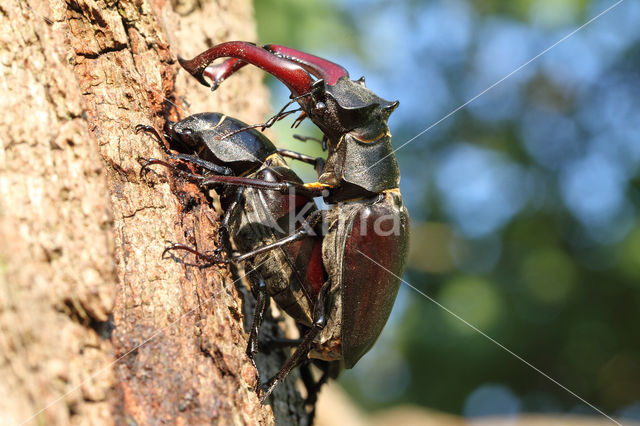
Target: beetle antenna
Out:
[271,121]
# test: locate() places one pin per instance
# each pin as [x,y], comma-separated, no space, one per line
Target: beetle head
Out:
[349,106]
[190,128]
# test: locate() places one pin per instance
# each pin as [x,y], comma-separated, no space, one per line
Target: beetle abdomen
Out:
[378,229]
[291,271]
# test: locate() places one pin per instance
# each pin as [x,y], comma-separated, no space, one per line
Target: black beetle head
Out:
[188,130]
[349,106]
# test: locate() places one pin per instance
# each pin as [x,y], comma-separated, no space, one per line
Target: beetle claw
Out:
[140,127]
[213,259]
[145,163]
[167,250]
[266,391]
[154,133]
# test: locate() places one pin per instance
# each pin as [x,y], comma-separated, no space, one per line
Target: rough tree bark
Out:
[95,327]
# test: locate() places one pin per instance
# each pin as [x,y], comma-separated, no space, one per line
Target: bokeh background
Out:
[523,203]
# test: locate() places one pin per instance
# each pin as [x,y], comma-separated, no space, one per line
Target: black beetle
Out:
[345,300]
[254,218]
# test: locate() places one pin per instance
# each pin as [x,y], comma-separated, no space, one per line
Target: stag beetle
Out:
[325,278]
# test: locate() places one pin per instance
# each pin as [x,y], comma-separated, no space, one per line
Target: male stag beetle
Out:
[337,272]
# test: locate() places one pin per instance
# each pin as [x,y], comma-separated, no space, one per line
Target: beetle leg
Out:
[313,387]
[316,162]
[291,74]
[279,342]
[216,257]
[159,137]
[312,390]
[319,322]
[296,236]
[315,189]
[146,162]
[206,165]
[310,222]
[329,369]
[323,141]
[262,298]
[223,239]
[223,231]
[211,259]
[224,245]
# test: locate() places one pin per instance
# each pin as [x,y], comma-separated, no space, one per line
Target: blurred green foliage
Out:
[523,203]
[313,23]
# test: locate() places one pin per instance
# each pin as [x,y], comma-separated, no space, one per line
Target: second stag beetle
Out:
[345,280]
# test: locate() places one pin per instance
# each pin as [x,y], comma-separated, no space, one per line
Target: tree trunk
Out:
[95,327]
